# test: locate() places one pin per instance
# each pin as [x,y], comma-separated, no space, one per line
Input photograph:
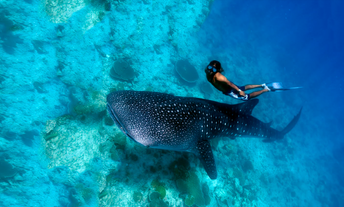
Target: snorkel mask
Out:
[214,70]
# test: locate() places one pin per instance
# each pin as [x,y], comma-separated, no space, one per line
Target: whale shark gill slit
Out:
[118,122]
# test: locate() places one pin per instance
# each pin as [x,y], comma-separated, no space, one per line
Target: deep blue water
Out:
[305,40]
[49,68]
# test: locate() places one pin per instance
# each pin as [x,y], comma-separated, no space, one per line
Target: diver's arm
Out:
[233,86]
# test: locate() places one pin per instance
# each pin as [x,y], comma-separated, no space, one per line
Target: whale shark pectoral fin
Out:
[205,154]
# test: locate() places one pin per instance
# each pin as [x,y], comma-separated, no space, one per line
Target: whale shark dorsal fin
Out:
[205,154]
[244,108]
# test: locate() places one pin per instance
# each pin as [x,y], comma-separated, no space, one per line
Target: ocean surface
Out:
[60,58]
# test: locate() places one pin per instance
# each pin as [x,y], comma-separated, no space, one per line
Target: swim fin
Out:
[278,87]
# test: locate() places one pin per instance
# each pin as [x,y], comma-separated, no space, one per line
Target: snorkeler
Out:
[221,83]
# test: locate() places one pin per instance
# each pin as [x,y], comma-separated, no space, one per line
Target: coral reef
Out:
[73,134]
[191,186]
[94,103]
[180,168]
[137,196]
[159,187]
[122,70]
[61,10]
[155,200]
[186,71]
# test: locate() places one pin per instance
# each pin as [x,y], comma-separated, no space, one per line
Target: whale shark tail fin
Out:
[291,125]
[288,128]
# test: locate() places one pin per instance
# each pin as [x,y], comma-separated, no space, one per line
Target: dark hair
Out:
[217,63]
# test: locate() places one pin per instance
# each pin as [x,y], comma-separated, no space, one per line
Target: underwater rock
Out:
[189,201]
[77,95]
[205,190]
[122,70]
[2,79]
[100,4]
[192,187]
[237,186]
[108,121]
[154,196]
[50,125]
[94,104]
[186,71]
[50,135]
[180,168]
[60,31]
[93,11]
[40,87]
[155,200]
[114,153]
[8,40]
[29,136]
[238,174]
[61,10]
[7,169]
[74,142]
[133,157]
[118,87]
[120,140]
[2,118]
[137,196]
[103,194]
[39,46]
[247,166]
[75,199]
[61,175]
[85,192]
[264,179]
[9,135]
[84,109]
[159,187]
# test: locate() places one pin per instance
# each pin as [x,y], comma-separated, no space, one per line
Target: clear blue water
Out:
[304,38]
[56,148]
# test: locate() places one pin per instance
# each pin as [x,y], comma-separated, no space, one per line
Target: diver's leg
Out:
[248,87]
[257,93]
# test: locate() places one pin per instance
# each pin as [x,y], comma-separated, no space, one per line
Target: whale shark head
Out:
[165,121]
[157,120]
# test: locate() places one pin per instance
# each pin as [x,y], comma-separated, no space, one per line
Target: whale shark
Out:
[164,121]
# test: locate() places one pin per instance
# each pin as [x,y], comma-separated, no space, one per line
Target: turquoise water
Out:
[59,60]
